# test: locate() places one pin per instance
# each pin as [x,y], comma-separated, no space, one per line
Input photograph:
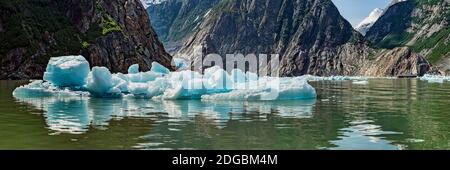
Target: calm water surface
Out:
[385,114]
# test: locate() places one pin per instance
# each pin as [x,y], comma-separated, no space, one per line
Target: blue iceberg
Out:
[67,71]
[71,76]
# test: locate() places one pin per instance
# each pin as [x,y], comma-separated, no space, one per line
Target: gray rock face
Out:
[113,33]
[310,36]
[398,61]
[176,20]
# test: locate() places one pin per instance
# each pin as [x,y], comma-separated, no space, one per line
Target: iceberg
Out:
[158,68]
[100,83]
[434,78]
[70,76]
[133,69]
[270,88]
[67,71]
[39,88]
[363,82]
[180,64]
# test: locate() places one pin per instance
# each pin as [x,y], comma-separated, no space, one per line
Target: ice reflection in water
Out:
[384,114]
[75,115]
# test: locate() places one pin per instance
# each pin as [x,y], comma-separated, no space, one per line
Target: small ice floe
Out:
[364,82]
[434,78]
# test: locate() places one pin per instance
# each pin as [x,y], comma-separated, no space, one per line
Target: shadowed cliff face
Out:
[114,34]
[175,20]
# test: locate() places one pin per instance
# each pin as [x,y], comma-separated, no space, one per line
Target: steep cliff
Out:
[310,36]
[113,33]
[176,20]
[422,25]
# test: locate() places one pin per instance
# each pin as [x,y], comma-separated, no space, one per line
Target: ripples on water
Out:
[383,114]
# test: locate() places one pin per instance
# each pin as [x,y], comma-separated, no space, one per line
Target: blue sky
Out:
[356,10]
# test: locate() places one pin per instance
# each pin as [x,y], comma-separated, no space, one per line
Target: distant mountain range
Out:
[311,36]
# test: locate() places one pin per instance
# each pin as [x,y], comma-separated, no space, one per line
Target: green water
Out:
[385,114]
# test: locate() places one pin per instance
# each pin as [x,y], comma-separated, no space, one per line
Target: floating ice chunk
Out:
[251,76]
[215,84]
[238,76]
[67,71]
[100,83]
[270,89]
[133,69]
[180,64]
[143,77]
[363,82]
[39,88]
[434,78]
[217,80]
[188,89]
[158,68]
[119,81]
[138,89]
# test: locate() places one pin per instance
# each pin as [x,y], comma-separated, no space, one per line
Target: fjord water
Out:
[383,114]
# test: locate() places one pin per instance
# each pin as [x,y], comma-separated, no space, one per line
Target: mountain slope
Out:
[310,36]
[422,25]
[113,33]
[175,20]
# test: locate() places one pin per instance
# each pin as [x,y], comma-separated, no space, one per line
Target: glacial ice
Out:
[362,82]
[158,68]
[434,78]
[180,64]
[67,71]
[133,69]
[100,83]
[160,83]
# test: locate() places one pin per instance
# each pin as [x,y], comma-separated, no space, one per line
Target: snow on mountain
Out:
[365,25]
[395,1]
[368,22]
[147,3]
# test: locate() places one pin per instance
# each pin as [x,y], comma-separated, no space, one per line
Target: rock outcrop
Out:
[110,33]
[398,61]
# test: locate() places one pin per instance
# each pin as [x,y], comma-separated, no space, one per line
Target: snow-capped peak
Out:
[365,25]
[395,1]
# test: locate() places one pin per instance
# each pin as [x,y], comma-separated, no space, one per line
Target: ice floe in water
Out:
[435,78]
[70,75]
[67,71]
[363,82]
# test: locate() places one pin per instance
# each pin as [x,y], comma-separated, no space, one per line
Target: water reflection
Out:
[385,114]
[75,115]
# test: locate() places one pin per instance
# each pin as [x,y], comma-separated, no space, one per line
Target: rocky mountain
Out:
[111,33]
[368,22]
[176,20]
[422,25]
[310,36]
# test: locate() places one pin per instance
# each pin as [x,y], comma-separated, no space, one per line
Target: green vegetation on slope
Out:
[439,44]
[26,24]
